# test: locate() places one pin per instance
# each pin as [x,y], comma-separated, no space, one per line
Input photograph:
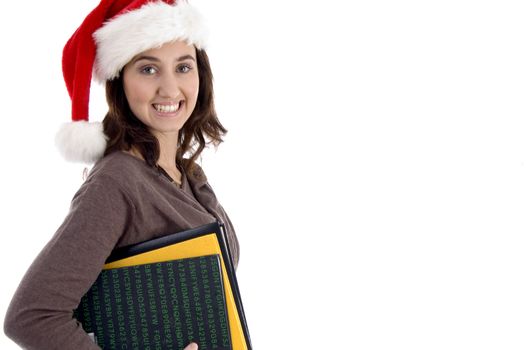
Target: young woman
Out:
[160,97]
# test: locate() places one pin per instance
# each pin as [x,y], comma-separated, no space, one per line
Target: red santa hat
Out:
[110,36]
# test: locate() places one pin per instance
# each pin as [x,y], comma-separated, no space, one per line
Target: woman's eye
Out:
[184,68]
[149,70]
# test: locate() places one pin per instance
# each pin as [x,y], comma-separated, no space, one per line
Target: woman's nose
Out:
[169,86]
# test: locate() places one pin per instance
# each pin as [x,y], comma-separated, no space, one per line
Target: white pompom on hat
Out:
[108,38]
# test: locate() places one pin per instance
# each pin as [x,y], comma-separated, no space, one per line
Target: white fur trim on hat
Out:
[148,27]
[81,141]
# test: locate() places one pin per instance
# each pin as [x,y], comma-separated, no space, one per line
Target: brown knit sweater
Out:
[123,201]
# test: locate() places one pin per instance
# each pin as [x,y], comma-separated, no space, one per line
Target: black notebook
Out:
[162,305]
[166,293]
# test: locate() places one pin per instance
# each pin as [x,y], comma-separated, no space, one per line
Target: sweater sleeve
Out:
[233,242]
[40,313]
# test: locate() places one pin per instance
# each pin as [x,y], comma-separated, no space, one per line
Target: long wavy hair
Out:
[124,130]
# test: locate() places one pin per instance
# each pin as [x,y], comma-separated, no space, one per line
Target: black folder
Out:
[167,292]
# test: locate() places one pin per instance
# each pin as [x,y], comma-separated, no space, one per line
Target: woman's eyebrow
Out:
[186,57]
[155,59]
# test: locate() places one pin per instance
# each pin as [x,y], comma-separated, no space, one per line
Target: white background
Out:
[374,169]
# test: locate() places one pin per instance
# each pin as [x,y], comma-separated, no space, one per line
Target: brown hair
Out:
[124,130]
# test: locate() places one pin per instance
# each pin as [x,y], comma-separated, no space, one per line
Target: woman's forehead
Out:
[175,49]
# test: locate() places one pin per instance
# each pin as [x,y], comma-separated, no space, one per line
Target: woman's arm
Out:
[40,313]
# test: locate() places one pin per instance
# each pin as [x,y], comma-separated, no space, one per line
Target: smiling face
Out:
[161,86]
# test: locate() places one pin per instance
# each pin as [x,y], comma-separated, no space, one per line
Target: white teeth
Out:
[166,108]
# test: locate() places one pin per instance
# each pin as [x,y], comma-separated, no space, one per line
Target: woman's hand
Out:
[191,346]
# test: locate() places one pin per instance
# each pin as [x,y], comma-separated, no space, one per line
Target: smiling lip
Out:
[167,109]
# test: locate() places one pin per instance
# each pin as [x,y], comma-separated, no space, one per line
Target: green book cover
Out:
[162,305]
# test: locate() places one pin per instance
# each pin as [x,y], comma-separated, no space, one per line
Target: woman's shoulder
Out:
[120,167]
[126,169]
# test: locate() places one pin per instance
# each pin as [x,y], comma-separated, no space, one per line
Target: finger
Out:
[191,346]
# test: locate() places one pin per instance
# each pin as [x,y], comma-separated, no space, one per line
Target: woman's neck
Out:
[167,152]
[166,161]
